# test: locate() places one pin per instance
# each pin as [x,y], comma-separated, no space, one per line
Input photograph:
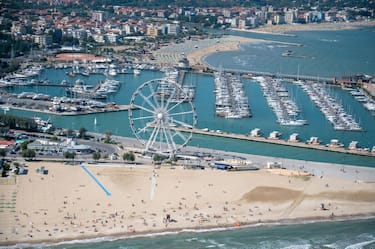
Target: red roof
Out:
[7,142]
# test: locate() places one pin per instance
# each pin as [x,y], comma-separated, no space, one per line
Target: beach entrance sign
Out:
[162,116]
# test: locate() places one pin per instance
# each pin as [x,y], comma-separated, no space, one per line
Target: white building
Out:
[173,29]
[290,16]
[112,38]
[98,16]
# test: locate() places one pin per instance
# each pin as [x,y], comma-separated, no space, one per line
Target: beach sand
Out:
[231,43]
[195,50]
[68,204]
[285,28]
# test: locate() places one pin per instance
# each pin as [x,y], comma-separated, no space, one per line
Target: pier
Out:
[181,77]
[279,75]
[260,139]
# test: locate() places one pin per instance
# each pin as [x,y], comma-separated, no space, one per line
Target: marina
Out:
[185,92]
[64,106]
[231,100]
[278,99]
[332,110]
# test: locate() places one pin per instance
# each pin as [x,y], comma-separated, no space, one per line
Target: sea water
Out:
[353,234]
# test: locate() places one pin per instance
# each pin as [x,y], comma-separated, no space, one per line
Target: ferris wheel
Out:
[162,116]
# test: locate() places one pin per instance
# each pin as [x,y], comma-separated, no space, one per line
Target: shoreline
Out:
[166,232]
[197,58]
[283,29]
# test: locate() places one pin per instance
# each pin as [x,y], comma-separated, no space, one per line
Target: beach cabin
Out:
[255,132]
[274,165]
[294,137]
[274,135]
[335,143]
[313,140]
[353,145]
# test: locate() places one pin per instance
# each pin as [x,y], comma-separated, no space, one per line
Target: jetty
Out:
[292,77]
[117,108]
[315,146]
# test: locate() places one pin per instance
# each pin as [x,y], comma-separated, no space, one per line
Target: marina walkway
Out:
[361,152]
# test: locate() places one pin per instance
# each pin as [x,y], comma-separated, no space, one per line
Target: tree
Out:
[70,155]
[28,154]
[157,158]
[108,138]
[82,132]
[3,153]
[69,132]
[54,138]
[96,156]
[24,145]
[128,156]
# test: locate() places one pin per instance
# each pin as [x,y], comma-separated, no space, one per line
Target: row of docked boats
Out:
[278,99]
[332,110]
[166,88]
[26,72]
[105,69]
[33,96]
[100,91]
[363,97]
[231,100]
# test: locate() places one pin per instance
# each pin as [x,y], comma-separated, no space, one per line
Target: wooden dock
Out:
[321,147]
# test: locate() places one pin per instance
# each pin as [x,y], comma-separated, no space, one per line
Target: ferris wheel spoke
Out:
[181,123]
[169,139]
[153,137]
[141,118]
[153,95]
[181,113]
[177,104]
[145,109]
[170,98]
[147,99]
[149,125]
[180,135]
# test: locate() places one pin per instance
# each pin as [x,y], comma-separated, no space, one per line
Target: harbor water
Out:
[263,117]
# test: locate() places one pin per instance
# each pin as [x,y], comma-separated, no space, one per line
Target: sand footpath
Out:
[68,203]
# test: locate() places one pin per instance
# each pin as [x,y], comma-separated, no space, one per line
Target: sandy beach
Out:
[231,43]
[196,50]
[285,28]
[68,203]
